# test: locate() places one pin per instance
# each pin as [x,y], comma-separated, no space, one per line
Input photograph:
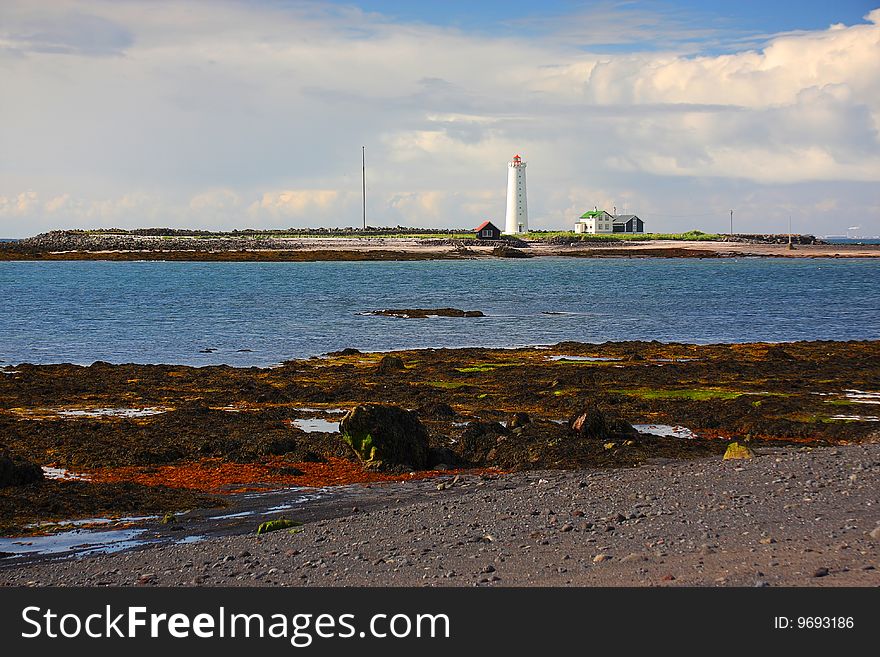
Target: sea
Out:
[261,314]
[851,240]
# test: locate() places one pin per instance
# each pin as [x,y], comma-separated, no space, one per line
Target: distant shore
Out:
[80,245]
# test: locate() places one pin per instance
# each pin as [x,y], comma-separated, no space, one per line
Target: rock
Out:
[391,364]
[18,472]
[599,558]
[384,437]
[276,525]
[737,451]
[875,534]
[504,251]
[421,313]
[480,439]
[518,420]
[436,411]
[442,456]
[593,424]
[821,572]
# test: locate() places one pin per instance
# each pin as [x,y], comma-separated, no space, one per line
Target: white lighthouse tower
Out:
[517,219]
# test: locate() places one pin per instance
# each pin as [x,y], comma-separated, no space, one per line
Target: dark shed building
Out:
[487,231]
[628,223]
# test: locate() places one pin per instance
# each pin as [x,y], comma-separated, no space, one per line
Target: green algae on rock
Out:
[386,437]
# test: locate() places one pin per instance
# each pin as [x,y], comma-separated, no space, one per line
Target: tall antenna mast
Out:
[731,223]
[364,181]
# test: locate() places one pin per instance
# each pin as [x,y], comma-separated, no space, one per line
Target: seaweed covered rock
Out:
[390,365]
[594,424]
[517,420]
[479,441]
[386,437]
[18,472]
[505,251]
[442,458]
[735,451]
[437,411]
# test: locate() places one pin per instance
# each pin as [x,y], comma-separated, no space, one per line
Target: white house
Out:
[595,221]
[598,221]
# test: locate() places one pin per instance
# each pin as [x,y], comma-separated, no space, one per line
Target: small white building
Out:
[597,222]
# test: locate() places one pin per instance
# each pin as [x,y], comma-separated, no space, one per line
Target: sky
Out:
[252,114]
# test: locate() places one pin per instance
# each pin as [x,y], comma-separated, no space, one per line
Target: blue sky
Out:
[731,19]
[240,113]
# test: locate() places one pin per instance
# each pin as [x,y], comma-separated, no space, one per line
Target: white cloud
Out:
[214,115]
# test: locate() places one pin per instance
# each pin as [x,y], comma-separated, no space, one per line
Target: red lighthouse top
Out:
[517,159]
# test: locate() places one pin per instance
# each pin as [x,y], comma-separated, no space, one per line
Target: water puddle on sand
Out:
[329,411]
[856,418]
[665,430]
[316,425]
[190,539]
[228,516]
[89,521]
[110,412]
[75,542]
[51,472]
[79,541]
[302,499]
[586,359]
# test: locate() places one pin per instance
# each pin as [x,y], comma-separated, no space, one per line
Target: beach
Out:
[190,460]
[802,517]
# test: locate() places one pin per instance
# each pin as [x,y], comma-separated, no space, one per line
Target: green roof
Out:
[593,214]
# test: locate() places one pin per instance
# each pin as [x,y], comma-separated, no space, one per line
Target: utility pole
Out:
[731,223]
[364,181]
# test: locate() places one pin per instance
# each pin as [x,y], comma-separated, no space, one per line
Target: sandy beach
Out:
[796,517]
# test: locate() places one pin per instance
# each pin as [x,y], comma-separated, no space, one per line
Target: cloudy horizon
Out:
[246,114]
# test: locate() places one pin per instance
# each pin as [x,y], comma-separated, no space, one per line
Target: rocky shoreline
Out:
[341,245]
[789,517]
[154,439]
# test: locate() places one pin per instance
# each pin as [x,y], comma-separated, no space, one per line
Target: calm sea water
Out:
[264,313]
[852,240]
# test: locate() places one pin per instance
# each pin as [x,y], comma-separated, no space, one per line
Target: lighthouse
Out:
[517,219]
